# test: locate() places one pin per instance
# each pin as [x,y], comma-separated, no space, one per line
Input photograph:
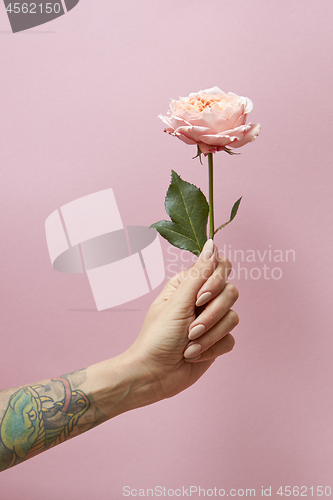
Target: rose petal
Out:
[225,138]
[166,120]
[235,116]
[248,105]
[184,114]
[193,133]
[241,120]
[216,121]
[182,138]
[173,121]
[213,91]
[249,135]
[220,121]
[177,122]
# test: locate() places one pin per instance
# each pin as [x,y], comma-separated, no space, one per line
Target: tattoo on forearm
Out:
[34,422]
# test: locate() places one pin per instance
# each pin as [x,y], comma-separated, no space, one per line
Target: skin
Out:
[158,365]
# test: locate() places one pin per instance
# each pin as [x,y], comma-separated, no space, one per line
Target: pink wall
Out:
[79,106]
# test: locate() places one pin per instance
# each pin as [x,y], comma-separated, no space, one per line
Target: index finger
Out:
[216,282]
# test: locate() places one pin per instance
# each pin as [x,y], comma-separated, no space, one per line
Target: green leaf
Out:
[188,210]
[232,215]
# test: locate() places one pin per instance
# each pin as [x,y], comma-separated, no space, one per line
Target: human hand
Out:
[180,338]
[185,329]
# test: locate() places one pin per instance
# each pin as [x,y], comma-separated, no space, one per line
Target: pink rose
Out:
[212,120]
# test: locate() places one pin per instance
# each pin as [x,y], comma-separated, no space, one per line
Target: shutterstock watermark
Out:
[249,264]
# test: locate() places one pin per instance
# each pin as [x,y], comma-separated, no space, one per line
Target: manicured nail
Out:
[205,297]
[196,331]
[193,359]
[192,351]
[207,250]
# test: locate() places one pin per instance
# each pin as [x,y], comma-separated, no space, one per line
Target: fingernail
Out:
[207,250]
[205,297]
[193,359]
[192,350]
[196,331]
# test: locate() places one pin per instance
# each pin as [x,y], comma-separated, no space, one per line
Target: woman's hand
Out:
[187,327]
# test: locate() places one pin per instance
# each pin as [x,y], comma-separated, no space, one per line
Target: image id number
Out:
[304,491]
[33,8]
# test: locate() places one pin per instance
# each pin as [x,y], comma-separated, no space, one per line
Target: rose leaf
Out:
[188,210]
[234,211]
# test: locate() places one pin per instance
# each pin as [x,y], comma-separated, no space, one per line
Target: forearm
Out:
[39,416]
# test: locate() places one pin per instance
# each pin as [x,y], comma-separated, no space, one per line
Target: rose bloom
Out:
[211,119]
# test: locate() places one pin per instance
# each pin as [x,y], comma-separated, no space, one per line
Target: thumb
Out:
[194,277]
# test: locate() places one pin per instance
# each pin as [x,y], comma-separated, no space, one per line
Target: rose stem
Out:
[211,202]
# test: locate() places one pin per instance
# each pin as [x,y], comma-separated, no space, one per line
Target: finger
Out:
[214,335]
[226,344]
[214,311]
[193,278]
[215,284]
[201,269]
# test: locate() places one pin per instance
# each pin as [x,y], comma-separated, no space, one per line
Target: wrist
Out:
[119,384]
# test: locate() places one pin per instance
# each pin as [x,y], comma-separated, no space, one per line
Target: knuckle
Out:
[175,280]
[206,273]
[228,264]
[213,318]
[225,261]
[232,291]
[223,274]
[233,318]
[212,351]
[230,342]
[178,277]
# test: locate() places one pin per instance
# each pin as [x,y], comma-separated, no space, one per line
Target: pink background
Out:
[79,106]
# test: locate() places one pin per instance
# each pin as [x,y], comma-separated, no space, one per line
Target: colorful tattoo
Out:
[28,427]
